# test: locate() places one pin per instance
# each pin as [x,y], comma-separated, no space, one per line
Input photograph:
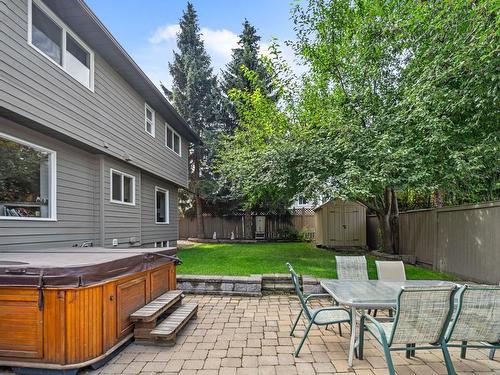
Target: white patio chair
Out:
[390,270]
[477,319]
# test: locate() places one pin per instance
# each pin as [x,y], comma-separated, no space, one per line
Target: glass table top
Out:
[372,293]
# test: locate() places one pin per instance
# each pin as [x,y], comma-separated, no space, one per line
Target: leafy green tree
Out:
[195,95]
[233,77]
[397,100]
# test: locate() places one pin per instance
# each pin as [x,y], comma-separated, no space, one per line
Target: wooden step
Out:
[166,332]
[158,306]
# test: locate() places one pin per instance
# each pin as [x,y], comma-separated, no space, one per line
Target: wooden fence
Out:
[462,240]
[300,219]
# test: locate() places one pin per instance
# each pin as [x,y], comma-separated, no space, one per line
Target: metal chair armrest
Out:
[316,296]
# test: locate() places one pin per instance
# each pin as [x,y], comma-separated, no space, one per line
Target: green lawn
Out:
[247,259]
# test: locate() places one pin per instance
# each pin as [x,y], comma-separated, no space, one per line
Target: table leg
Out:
[352,347]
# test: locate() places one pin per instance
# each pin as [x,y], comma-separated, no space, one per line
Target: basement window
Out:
[122,188]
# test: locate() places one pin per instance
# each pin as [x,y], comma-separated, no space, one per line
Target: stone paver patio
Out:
[250,336]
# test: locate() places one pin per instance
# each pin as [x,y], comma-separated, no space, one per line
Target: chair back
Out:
[390,270]
[351,268]
[422,315]
[296,285]
[478,315]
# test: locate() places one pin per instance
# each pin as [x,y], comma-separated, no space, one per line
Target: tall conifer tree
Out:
[195,95]
[246,54]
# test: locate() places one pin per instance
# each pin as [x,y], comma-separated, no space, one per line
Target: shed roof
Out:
[82,20]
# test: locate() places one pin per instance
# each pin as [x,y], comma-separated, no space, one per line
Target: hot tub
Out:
[63,309]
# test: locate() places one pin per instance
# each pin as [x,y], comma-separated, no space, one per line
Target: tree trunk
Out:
[199,216]
[395,222]
[198,201]
[388,217]
[248,225]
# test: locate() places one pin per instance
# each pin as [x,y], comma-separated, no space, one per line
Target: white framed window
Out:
[28,180]
[172,139]
[162,244]
[53,39]
[303,201]
[122,187]
[162,211]
[149,120]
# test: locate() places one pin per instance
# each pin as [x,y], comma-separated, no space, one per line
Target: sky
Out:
[147,28]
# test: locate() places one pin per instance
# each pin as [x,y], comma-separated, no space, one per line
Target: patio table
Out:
[369,294]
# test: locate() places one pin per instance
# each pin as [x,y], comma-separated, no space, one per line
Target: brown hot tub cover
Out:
[77,267]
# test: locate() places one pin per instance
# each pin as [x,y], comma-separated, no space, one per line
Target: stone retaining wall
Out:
[254,285]
[233,285]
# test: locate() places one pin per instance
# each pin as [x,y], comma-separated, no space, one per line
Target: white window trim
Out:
[167,205]
[65,30]
[111,171]
[153,125]
[167,126]
[53,181]
[156,243]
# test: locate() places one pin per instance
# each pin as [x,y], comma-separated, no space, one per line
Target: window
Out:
[53,39]
[27,180]
[149,120]
[302,201]
[161,206]
[77,61]
[172,140]
[46,35]
[162,244]
[122,188]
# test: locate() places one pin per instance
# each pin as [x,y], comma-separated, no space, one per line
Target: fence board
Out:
[462,240]
[223,226]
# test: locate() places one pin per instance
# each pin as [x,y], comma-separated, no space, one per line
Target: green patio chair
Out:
[320,317]
[422,316]
[477,319]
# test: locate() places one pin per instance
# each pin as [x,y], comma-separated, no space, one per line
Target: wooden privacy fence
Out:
[299,219]
[462,240]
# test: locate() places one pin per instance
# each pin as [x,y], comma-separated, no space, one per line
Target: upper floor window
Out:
[172,140]
[53,39]
[122,187]
[303,201]
[27,180]
[149,120]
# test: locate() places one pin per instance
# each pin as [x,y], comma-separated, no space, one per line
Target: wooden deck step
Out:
[158,306]
[166,332]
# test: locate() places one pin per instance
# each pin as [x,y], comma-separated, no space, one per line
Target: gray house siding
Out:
[109,120]
[152,232]
[77,215]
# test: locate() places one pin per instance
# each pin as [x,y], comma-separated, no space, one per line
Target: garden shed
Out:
[340,223]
